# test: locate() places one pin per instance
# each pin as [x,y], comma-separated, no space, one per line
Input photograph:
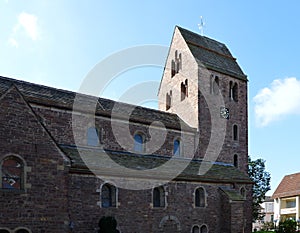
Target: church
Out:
[181,168]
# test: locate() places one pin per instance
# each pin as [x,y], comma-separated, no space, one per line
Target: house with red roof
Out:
[287,198]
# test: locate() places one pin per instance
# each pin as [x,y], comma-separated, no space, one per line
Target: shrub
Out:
[108,225]
[287,226]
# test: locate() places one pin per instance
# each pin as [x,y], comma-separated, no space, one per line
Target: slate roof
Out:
[213,54]
[288,187]
[232,194]
[218,173]
[64,99]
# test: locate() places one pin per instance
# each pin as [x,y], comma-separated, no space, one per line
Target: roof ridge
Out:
[211,50]
[205,37]
[13,81]
[29,89]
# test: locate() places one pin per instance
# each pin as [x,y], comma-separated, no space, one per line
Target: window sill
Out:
[14,191]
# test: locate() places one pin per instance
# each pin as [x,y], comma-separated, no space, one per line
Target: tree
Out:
[261,179]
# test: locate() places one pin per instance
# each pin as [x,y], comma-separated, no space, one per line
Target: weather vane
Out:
[201,25]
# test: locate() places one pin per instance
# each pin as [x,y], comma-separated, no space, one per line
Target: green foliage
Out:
[287,226]
[261,179]
[268,226]
[108,225]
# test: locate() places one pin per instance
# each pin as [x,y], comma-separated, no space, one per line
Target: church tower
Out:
[203,84]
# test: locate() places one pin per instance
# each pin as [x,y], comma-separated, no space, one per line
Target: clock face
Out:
[224,112]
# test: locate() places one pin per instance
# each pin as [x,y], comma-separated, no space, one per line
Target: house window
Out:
[158,197]
[196,229]
[108,196]
[92,137]
[200,199]
[176,148]
[290,203]
[184,89]
[12,172]
[235,132]
[235,160]
[203,229]
[138,143]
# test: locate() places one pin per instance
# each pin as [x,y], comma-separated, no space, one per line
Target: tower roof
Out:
[212,54]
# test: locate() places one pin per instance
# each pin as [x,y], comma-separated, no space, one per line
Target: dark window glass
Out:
[12,173]
[235,133]
[203,229]
[176,148]
[22,231]
[158,197]
[235,161]
[92,137]
[108,196]
[200,197]
[196,229]
[138,143]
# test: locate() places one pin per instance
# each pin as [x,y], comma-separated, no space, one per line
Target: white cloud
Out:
[28,24]
[13,42]
[280,99]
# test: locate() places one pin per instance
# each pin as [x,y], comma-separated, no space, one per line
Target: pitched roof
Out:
[289,186]
[218,172]
[213,54]
[64,99]
[232,194]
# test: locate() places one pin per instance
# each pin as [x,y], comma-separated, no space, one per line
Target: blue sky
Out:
[58,42]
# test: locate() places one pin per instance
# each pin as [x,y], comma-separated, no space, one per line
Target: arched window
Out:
[230,90]
[214,85]
[4,231]
[108,196]
[176,64]
[200,199]
[138,143]
[235,160]
[22,230]
[176,148]
[203,229]
[243,192]
[92,137]
[196,229]
[158,197]
[173,71]
[235,92]
[168,100]
[235,132]
[12,173]
[184,89]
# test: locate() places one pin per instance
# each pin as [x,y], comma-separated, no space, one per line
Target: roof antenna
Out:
[201,25]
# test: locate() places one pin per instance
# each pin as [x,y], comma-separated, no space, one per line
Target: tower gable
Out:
[178,92]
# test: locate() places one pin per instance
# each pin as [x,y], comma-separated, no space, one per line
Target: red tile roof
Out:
[289,186]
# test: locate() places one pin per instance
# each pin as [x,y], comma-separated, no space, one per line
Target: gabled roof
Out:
[288,187]
[63,99]
[212,54]
[217,173]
